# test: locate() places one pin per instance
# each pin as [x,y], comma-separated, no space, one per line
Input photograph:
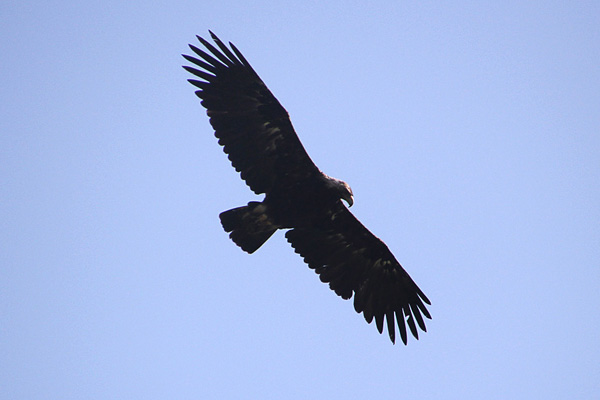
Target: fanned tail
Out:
[249,226]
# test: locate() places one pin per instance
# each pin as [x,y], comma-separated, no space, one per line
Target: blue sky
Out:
[469,132]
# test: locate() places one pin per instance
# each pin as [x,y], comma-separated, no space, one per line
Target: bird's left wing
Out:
[354,261]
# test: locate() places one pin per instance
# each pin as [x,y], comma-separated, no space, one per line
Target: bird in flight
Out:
[259,140]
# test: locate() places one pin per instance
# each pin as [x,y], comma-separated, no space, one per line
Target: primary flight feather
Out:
[257,135]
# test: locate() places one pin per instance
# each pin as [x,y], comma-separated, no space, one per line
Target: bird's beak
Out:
[350,200]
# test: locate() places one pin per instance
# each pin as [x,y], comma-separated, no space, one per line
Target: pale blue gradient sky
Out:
[470,134]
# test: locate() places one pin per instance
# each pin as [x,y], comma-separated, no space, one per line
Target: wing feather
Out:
[250,123]
[208,58]
[222,57]
[391,325]
[352,260]
[198,73]
[229,55]
[200,63]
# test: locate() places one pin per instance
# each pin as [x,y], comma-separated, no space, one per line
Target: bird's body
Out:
[256,133]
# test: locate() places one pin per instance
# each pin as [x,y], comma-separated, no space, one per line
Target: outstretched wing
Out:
[250,123]
[354,261]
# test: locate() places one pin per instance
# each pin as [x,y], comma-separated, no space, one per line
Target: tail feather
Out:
[249,226]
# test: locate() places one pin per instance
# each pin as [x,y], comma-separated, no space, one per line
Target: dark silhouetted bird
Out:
[257,135]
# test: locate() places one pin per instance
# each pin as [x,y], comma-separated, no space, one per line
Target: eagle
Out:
[257,135]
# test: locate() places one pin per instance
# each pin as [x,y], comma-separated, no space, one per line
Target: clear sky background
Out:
[470,134]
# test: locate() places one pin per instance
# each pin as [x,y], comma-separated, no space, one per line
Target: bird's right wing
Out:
[250,123]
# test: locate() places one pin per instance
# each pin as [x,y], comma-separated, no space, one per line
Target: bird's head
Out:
[347,195]
[342,189]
